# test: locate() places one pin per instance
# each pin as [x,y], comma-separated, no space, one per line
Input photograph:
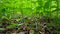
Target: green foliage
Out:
[11,7]
[14,11]
[1,29]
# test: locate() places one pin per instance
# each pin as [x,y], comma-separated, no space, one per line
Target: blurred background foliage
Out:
[29,7]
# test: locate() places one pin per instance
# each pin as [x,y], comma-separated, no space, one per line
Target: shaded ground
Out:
[31,26]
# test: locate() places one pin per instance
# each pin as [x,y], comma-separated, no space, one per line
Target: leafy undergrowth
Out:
[30,26]
[30,16]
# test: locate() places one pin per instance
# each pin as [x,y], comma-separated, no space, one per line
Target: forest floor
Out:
[34,26]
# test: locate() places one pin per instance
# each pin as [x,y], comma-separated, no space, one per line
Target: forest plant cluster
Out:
[37,16]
